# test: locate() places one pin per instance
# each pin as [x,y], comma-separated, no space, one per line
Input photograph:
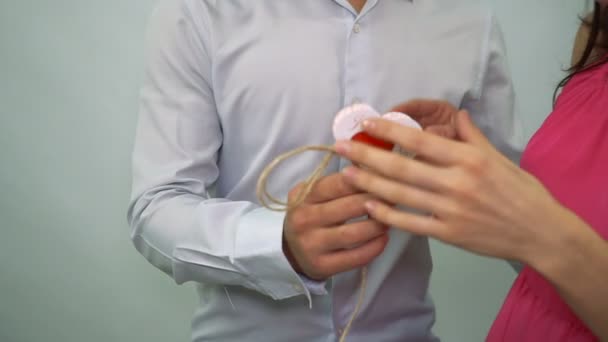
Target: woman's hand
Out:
[478,199]
[482,202]
[434,116]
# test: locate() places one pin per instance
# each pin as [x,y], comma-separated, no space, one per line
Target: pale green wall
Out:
[69,72]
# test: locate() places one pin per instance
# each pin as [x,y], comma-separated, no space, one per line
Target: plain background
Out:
[69,77]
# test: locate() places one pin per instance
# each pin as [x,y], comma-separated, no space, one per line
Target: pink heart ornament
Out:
[348,122]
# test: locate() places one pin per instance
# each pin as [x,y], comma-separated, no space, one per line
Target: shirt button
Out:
[357,28]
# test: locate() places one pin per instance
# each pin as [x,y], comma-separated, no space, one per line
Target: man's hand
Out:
[434,116]
[318,242]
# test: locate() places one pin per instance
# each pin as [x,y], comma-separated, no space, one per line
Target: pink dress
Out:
[569,155]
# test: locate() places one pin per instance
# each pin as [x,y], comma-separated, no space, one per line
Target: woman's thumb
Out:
[467,130]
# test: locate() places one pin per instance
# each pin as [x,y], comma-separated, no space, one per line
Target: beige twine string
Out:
[275,204]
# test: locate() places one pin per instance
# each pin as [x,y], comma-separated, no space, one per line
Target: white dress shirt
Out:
[230,85]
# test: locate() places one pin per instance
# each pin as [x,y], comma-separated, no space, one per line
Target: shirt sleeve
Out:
[176,224]
[491,103]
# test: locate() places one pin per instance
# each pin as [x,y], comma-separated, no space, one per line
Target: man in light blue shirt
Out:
[230,85]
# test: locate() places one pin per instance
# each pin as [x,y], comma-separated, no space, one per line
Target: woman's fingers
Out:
[394,191]
[432,147]
[417,224]
[392,165]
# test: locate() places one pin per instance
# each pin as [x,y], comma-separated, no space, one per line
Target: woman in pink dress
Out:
[552,214]
[569,155]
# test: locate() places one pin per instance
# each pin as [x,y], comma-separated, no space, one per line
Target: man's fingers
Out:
[352,234]
[330,188]
[446,131]
[348,259]
[419,107]
[331,213]
[340,210]
[425,110]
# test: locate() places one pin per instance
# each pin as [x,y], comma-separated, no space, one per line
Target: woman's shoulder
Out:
[587,91]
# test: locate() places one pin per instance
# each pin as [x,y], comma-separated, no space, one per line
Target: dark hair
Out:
[598,38]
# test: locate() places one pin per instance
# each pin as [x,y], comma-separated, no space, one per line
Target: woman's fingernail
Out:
[343,146]
[368,124]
